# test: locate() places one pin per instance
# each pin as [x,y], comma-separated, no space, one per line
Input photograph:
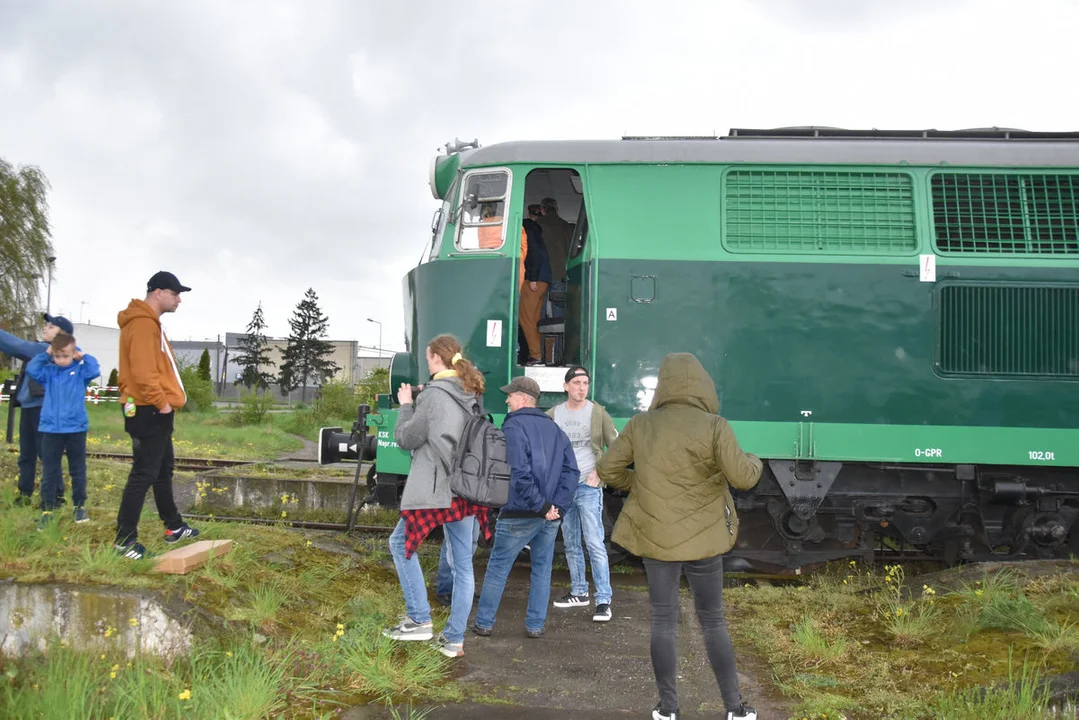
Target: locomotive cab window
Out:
[482,210]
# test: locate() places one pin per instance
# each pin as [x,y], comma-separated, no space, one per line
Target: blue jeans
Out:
[30,450]
[53,448]
[585,514]
[409,573]
[444,578]
[511,535]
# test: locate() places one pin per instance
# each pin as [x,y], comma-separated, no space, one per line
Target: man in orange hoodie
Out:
[152,392]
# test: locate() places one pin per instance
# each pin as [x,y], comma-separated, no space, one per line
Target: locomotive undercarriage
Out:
[806,512]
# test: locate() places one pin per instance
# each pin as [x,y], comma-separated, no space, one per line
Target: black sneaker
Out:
[481,631]
[534,634]
[444,599]
[603,613]
[570,600]
[658,714]
[132,550]
[44,521]
[81,515]
[23,500]
[183,532]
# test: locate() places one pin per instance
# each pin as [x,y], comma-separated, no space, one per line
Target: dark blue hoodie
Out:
[537,261]
[543,468]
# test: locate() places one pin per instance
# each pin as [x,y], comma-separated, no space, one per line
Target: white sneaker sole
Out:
[560,604]
[452,653]
[601,618]
[428,635]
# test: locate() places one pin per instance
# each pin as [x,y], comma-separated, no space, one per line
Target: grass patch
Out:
[864,643]
[276,582]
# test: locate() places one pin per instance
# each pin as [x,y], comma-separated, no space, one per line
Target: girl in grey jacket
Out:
[430,426]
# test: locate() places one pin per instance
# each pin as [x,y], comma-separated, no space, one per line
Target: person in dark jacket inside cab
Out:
[543,480]
[537,278]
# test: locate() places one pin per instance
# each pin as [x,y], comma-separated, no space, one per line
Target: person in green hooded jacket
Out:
[680,517]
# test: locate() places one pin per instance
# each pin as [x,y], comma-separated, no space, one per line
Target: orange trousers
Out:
[528,314]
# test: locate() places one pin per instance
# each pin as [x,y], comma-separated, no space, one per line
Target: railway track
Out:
[181,463]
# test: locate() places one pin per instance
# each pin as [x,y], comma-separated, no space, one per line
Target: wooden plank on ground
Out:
[182,560]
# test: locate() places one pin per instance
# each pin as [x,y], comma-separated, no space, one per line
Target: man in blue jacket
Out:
[29,396]
[543,480]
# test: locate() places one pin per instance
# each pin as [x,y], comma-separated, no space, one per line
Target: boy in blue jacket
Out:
[543,481]
[64,372]
[28,397]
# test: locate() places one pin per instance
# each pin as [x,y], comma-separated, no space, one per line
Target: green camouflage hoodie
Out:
[684,456]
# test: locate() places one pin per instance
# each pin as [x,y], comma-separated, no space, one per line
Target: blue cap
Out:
[61,322]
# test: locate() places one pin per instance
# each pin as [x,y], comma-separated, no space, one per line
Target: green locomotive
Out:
[891,318]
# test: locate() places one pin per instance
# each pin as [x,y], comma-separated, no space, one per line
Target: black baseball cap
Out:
[576,371]
[61,322]
[522,384]
[163,280]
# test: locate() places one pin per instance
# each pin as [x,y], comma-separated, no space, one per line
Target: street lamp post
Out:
[376,322]
[48,297]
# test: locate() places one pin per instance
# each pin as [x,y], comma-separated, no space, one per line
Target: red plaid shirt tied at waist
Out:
[420,523]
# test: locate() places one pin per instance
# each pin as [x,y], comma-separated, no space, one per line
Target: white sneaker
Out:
[408,630]
[744,713]
[657,715]
[603,613]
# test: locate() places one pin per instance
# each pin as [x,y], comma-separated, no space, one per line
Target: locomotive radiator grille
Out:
[780,211]
[1009,330]
[1006,213]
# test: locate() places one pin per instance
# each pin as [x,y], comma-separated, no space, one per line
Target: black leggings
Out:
[706,583]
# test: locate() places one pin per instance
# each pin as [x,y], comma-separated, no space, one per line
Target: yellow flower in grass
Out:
[284,514]
[185,695]
[133,622]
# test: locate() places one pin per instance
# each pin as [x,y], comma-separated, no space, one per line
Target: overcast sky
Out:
[257,148]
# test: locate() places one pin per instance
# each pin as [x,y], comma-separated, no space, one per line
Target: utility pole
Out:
[376,322]
[48,298]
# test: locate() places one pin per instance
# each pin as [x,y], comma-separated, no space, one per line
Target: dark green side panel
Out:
[847,343]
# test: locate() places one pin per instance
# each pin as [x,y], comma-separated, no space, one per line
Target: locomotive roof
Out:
[990,147]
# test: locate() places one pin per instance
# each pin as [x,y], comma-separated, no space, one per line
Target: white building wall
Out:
[101,342]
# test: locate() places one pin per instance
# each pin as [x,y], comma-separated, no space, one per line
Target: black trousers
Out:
[706,583]
[151,446]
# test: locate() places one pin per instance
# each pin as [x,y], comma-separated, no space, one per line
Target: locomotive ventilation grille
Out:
[1006,213]
[1017,331]
[819,212]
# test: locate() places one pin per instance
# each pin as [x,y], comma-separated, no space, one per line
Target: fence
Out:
[95,394]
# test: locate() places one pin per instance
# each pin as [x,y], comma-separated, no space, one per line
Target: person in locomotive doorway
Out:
[430,426]
[151,391]
[543,476]
[590,429]
[556,234]
[28,397]
[537,277]
[534,214]
[680,517]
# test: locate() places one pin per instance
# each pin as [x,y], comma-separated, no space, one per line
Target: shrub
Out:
[376,382]
[200,393]
[254,407]
[335,400]
[204,365]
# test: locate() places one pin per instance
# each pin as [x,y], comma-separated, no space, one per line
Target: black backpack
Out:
[480,472]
